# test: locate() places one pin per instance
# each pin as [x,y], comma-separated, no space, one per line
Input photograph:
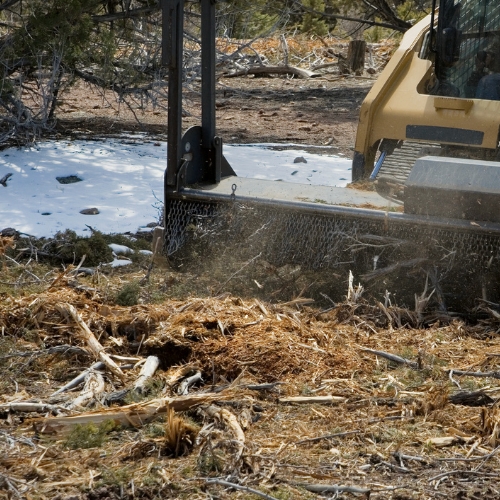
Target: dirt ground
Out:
[387,404]
[320,111]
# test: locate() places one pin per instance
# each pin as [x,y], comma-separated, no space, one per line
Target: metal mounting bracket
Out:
[195,158]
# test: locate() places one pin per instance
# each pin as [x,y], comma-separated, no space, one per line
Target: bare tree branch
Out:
[395,24]
[7,4]
[141,11]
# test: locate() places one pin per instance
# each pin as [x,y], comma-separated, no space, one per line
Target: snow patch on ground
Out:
[123,179]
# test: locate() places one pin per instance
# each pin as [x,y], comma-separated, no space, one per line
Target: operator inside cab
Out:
[489,85]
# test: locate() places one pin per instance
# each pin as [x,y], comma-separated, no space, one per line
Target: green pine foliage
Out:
[313,23]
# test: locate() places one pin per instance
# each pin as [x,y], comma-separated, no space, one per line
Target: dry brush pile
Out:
[224,397]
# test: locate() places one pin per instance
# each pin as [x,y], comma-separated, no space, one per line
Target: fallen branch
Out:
[394,468]
[464,472]
[473,459]
[474,398]
[8,480]
[79,378]
[179,373]
[240,487]
[474,374]
[147,371]
[263,387]
[231,422]
[400,456]
[4,179]
[313,399]
[134,415]
[273,70]
[27,407]
[334,488]
[94,385]
[92,343]
[392,357]
[184,386]
[11,439]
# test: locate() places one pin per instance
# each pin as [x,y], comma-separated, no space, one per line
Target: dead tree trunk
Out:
[356,56]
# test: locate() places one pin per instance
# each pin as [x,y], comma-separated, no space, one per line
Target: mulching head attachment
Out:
[281,249]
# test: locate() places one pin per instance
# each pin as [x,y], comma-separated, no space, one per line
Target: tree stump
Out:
[356,56]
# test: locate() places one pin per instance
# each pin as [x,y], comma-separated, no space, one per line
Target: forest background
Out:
[46,46]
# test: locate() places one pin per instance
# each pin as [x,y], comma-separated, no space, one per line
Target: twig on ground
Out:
[473,459]
[392,357]
[59,349]
[464,472]
[240,487]
[329,436]
[263,387]
[313,399]
[333,488]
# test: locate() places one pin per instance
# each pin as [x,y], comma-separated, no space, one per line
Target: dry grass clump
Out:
[6,242]
[180,435]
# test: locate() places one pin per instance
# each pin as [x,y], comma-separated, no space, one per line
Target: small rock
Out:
[9,231]
[300,159]
[295,172]
[89,211]
[4,179]
[69,179]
